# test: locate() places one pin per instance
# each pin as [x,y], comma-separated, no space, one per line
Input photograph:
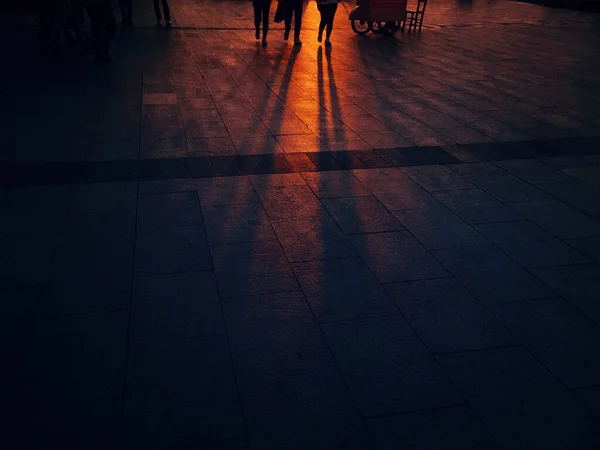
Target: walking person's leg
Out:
[332,11]
[257,13]
[129,12]
[123,9]
[288,20]
[265,16]
[157,12]
[166,12]
[298,4]
[323,21]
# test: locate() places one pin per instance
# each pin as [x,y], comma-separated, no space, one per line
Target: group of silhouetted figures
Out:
[286,9]
[62,22]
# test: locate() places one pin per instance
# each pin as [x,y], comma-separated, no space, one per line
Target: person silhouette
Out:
[294,8]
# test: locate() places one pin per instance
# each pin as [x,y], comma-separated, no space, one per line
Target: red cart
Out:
[378,16]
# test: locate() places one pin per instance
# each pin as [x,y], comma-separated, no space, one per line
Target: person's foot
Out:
[286,35]
[158,23]
[257,34]
[297,42]
[169,24]
[264,42]
[320,36]
[327,42]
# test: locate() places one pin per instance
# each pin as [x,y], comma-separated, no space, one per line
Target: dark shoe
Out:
[159,23]
[297,42]
[286,35]
[257,34]
[264,42]
[168,24]
[327,42]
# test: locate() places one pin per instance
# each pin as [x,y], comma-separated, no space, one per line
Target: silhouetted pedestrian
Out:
[294,8]
[261,13]
[327,8]
[126,12]
[166,12]
[103,26]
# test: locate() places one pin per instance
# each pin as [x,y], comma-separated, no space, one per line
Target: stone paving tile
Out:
[171,250]
[397,257]
[301,409]
[447,317]
[74,359]
[589,247]
[578,195]
[491,275]
[361,215]
[437,227]
[307,238]
[558,219]
[518,399]
[456,427]
[25,262]
[252,268]
[167,186]
[475,206]
[529,245]
[533,171]
[342,289]
[335,184]
[228,224]
[174,306]
[211,146]
[579,285]
[502,185]
[168,210]
[590,175]
[226,191]
[591,398]
[437,178]
[373,354]
[181,393]
[399,194]
[236,444]
[559,336]
[98,270]
[104,198]
[274,333]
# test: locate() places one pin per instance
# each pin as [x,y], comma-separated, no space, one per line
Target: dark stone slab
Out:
[168,210]
[372,160]
[559,336]
[252,268]
[373,354]
[156,169]
[229,224]
[346,160]
[301,409]
[529,245]
[437,227]
[167,186]
[399,193]
[75,359]
[171,250]
[335,184]
[518,399]
[251,164]
[491,275]
[101,198]
[199,167]
[342,289]
[475,206]
[437,178]
[276,163]
[274,333]
[308,238]
[226,191]
[427,155]
[447,316]
[108,171]
[324,161]
[558,219]
[225,166]
[578,195]
[175,306]
[456,428]
[579,285]
[533,171]
[181,393]
[591,398]
[589,247]
[397,257]
[300,162]
[361,215]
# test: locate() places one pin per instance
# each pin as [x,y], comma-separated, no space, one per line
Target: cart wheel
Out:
[389,28]
[361,27]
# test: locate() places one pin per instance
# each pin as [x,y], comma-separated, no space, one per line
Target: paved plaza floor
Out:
[392,243]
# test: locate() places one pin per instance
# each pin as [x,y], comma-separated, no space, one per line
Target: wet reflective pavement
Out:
[389,243]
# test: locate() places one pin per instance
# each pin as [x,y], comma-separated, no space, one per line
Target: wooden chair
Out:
[414,19]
